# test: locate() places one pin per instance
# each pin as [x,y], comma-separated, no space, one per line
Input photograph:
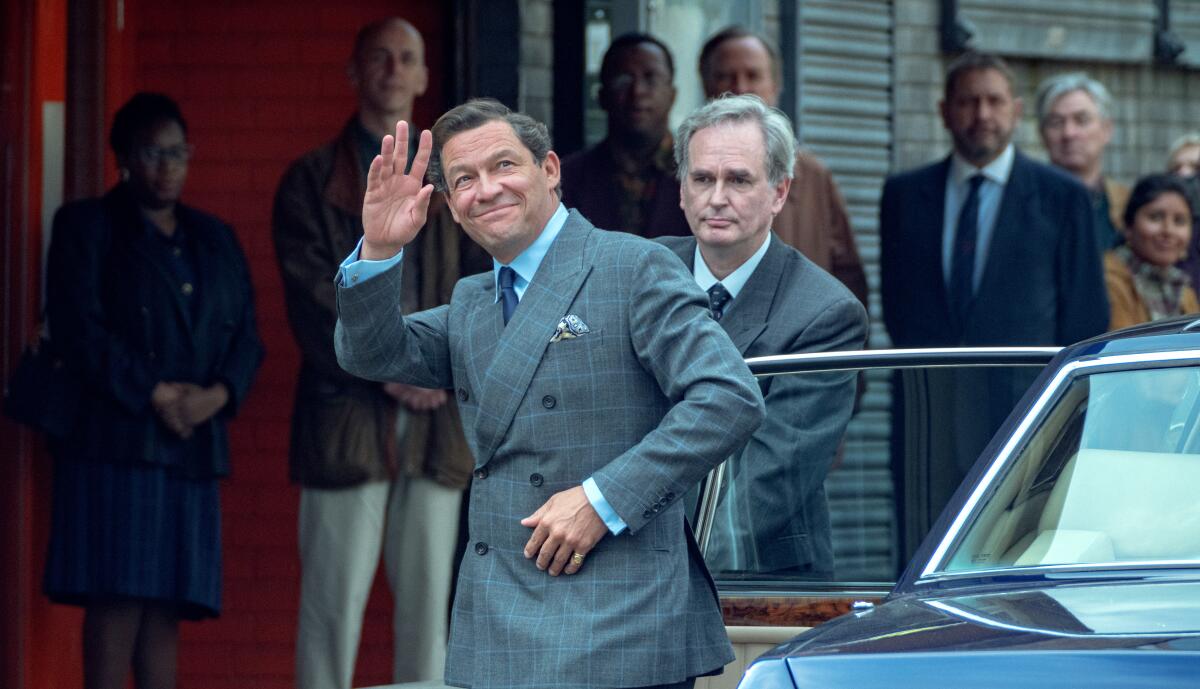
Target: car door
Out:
[795,536]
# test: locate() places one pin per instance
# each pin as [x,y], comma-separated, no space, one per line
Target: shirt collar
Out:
[526,263]
[735,281]
[996,171]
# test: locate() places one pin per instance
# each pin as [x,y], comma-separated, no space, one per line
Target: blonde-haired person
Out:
[1143,281]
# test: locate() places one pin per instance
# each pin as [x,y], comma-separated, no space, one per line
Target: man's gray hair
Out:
[1059,85]
[774,125]
[1189,139]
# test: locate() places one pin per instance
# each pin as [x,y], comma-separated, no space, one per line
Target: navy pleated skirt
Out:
[124,531]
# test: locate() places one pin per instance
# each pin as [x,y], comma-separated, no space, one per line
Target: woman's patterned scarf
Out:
[1160,288]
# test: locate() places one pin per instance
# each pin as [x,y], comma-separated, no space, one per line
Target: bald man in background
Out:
[814,218]
[381,467]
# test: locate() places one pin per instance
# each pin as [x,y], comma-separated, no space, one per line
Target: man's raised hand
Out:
[395,205]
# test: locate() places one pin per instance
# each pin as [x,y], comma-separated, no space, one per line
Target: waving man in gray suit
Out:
[735,158]
[595,390]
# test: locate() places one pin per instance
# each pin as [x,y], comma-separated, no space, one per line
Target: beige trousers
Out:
[414,522]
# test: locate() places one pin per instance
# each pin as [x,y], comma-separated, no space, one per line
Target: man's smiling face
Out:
[500,196]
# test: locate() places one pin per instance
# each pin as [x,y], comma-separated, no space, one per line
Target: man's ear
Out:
[780,195]
[552,166]
[422,82]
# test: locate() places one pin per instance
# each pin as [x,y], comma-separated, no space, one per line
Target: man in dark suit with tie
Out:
[736,157]
[595,390]
[985,247]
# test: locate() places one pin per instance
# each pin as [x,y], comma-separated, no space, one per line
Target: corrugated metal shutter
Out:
[844,89]
[1185,24]
[1101,30]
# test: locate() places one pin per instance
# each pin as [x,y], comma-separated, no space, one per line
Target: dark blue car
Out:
[1068,556]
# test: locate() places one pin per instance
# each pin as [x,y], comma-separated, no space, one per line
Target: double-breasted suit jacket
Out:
[777,491]
[646,402]
[1042,283]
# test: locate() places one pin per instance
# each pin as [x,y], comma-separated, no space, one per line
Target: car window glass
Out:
[1110,475]
[848,473]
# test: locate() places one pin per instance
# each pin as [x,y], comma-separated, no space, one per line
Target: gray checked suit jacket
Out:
[647,403]
[776,485]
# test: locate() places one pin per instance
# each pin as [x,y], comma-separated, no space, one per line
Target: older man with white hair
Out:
[1074,118]
[736,157]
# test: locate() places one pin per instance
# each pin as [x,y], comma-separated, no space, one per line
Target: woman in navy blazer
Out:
[150,305]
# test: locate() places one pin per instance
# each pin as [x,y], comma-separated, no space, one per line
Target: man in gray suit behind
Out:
[595,390]
[735,157]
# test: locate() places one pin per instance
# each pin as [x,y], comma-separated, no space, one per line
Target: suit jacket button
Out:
[669,496]
[481,548]
[656,508]
[481,473]
[462,395]
[647,514]
[548,402]
[535,479]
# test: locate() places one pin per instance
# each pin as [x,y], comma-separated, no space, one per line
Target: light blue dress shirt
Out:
[354,270]
[991,192]
[735,281]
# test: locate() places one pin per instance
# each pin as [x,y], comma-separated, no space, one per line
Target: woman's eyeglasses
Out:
[154,155]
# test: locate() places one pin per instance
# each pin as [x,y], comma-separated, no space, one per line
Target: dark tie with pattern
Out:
[718,297]
[962,260]
[508,294]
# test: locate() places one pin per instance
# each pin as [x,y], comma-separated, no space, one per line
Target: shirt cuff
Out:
[354,270]
[611,519]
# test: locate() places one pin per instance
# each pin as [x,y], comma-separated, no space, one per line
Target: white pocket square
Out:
[571,326]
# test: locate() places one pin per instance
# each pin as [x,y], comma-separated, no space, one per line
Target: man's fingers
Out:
[560,559]
[537,539]
[421,160]
[575,562]
[387,154]
[401,156]
[549,553]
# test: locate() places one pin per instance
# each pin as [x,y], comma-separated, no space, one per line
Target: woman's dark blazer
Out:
[119,320]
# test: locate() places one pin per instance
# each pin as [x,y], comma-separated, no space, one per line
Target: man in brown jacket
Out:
[813,218]
[359,495]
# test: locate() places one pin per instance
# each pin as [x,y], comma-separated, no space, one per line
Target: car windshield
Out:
[1110,475]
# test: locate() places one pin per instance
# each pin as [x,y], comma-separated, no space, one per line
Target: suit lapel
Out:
[523,342]
[484,325]
[746,318]
[928,249]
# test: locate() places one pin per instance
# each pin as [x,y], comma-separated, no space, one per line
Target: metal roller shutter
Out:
[844,116]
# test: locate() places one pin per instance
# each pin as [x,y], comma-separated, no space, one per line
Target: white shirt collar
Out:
[996,171]
[735,281]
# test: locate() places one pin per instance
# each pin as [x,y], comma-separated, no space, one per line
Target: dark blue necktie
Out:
[718,297]
[962,260]
[508,294]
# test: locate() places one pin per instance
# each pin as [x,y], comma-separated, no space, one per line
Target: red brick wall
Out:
[260,82]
